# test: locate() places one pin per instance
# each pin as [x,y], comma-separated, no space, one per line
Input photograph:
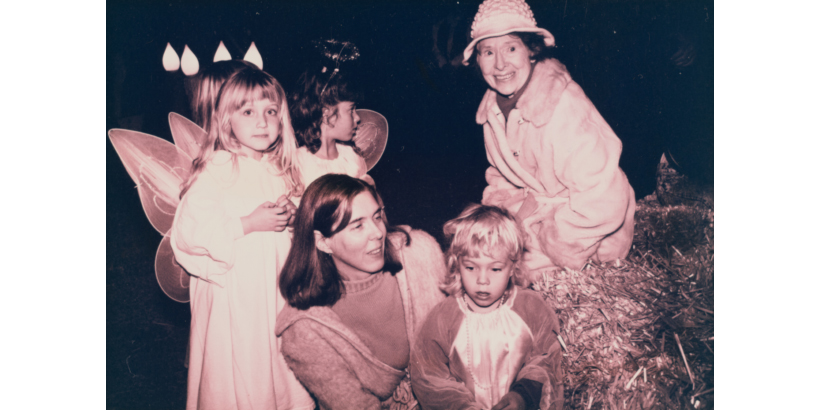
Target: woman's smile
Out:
[504,62]
[504,77]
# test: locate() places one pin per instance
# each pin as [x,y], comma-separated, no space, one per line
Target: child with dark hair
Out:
[323,110]
[492,343]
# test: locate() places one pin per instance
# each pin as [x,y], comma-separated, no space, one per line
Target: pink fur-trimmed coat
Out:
[554,165]
[335,365]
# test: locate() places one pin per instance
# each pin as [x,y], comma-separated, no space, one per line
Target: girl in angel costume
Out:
[229,234]
[325,123]
[325,119]
[491,343]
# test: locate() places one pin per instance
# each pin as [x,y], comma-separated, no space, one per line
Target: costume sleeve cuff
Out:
[235,228]
[530,390]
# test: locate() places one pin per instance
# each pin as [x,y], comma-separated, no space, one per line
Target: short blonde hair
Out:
[482,229]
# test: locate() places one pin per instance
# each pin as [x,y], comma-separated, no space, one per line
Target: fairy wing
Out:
[371,136]
[172,278]
[158,168]
[187,135]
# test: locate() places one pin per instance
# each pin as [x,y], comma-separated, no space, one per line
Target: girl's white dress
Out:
[348,162]
[235,360]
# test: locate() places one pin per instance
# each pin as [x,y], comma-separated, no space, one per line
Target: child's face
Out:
[256,126]
[341,126]
[485,278]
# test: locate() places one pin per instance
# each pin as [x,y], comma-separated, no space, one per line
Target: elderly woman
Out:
[554,160]
[357,290]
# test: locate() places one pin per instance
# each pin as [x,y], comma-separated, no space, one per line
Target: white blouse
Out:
[312,167]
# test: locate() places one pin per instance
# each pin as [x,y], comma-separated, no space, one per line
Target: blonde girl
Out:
[228,233]
[491,343]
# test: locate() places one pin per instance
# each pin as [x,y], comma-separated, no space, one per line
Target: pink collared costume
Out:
[470,360]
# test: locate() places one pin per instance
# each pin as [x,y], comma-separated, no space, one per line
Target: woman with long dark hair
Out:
[358,290]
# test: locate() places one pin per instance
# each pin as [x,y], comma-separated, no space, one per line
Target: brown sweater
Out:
[332,361]
[372,309]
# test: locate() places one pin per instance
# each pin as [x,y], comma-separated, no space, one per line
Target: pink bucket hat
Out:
[499,17]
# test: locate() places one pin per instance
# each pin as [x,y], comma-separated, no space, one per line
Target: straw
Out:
[685,362]
[635,376]
[615,317]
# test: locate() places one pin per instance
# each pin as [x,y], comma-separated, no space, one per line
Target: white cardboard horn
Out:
[190,65]
[170,59]
[253,56]
[222,53]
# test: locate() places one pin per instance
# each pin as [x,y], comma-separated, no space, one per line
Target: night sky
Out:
[618,51]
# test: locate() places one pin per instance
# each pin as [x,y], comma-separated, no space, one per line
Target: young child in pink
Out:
[491,343]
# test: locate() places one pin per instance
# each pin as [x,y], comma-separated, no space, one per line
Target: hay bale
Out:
[621,323]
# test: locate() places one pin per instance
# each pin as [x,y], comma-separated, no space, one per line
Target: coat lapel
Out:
[499,151]
[536,106]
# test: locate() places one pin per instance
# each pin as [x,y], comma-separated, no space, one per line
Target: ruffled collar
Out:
[508,304]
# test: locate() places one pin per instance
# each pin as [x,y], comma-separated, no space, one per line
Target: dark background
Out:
[620,52]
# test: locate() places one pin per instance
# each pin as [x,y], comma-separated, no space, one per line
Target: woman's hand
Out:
[270,216]
[510,401]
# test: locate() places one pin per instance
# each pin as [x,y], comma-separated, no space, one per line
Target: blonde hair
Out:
[482,229]
[248,85]
[206,89]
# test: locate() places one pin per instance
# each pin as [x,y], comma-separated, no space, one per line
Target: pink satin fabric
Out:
[491,347]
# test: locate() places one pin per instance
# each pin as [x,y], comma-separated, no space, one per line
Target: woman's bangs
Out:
[341,218]
[344,211]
